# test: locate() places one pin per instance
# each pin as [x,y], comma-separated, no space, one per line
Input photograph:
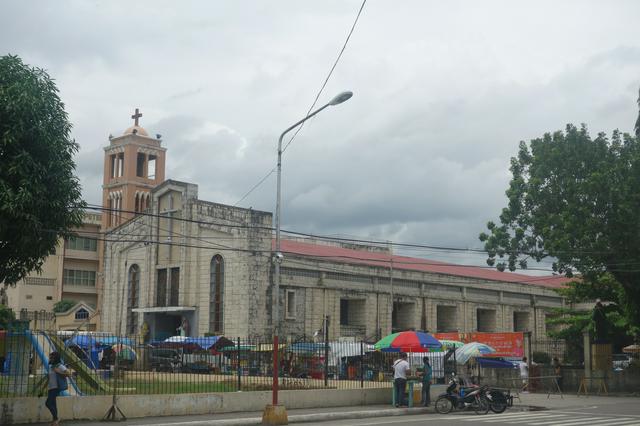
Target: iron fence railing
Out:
[107,364]
[567,352]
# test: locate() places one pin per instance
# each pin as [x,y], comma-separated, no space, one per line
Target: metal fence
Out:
[106,364]
[567,352]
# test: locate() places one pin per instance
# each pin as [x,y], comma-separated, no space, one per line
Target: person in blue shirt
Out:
[427,373]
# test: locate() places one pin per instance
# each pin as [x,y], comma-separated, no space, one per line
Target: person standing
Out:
[557,371]
[524,374]
[400,371]
[58,374]
[427,373]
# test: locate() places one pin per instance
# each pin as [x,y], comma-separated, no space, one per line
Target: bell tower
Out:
[133,165]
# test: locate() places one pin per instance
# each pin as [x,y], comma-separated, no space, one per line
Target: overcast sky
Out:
[443,93]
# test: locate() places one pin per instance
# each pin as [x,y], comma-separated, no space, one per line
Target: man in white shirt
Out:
[400,371]
[524,373]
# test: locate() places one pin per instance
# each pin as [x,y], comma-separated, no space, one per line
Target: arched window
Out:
[133,299]
[109,213]
[137,207]
[82,314]
[216,294]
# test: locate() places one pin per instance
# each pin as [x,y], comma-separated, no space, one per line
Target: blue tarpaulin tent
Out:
[92,345]
[87,341]
[306,347]
[493,363]
[209,343]
[205,343]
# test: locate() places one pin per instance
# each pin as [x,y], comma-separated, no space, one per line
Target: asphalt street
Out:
[622,414]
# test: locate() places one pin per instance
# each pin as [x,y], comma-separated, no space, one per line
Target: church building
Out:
[175,264]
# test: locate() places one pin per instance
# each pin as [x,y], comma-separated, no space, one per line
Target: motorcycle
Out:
[463,398]
[498,401]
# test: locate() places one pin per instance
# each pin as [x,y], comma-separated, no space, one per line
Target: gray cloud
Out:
[444,92]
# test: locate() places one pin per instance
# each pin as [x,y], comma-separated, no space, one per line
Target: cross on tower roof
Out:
[135,116]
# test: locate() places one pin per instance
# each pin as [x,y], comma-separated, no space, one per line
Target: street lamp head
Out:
[340,98]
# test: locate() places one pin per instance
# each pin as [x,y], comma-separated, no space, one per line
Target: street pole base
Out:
[275,415]
[112,415]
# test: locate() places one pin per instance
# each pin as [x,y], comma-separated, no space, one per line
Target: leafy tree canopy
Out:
[6,316]
[64,305]
[575,199]
[40,198]
[569,323]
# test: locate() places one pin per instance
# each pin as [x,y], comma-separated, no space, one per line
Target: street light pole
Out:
[275,414]
[340,98]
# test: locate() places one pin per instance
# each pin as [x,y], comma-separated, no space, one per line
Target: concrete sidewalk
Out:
[568,401]
[526,402]
[255,418]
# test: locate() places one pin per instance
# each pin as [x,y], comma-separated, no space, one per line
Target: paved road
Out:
[591,417]
[549,418]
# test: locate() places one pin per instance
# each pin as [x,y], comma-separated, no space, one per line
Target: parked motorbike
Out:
[460,398]
[498,401]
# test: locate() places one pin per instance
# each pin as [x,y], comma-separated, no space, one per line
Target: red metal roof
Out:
[345,255]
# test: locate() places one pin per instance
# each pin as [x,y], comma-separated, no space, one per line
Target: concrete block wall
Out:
[357,312]
[32,410]
[407,314]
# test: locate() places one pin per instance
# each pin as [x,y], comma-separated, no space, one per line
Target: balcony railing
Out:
[40,281]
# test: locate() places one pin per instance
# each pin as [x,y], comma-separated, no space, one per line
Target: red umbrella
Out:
[409,341]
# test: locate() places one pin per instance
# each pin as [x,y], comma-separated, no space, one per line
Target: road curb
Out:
[305,418]
[320,417]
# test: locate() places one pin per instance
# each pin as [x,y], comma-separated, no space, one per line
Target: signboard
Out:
[509,345]
[447,336]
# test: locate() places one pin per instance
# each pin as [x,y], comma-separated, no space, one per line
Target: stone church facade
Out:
[174,264]
[195,267]
[190,267]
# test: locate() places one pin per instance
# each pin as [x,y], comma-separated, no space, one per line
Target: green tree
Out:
[64,305]
[569,323]
[575,199]
[40,197]
[6,316]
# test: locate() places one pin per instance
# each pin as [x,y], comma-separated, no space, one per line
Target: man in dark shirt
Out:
[427,373]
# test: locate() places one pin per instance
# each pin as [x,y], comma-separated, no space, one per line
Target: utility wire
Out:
[380,243]
[345,258]
[326,80]
[324,84]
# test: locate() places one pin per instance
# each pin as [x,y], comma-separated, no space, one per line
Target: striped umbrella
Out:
[451,344]
[408,341]
[472,350]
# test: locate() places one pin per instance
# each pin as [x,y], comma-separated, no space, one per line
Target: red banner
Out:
[447,336]
[506,344]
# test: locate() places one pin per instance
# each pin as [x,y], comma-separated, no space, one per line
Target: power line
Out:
[272,171]
[329,238]
[324,84]
[382,261]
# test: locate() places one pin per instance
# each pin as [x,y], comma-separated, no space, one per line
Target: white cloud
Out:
[444,91]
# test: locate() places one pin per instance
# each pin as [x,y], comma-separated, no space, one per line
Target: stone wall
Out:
[418,296]
[32,410]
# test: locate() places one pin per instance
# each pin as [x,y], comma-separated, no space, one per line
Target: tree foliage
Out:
[64,305]
[6,316]
[40,198]
[569,323]
[575,199]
